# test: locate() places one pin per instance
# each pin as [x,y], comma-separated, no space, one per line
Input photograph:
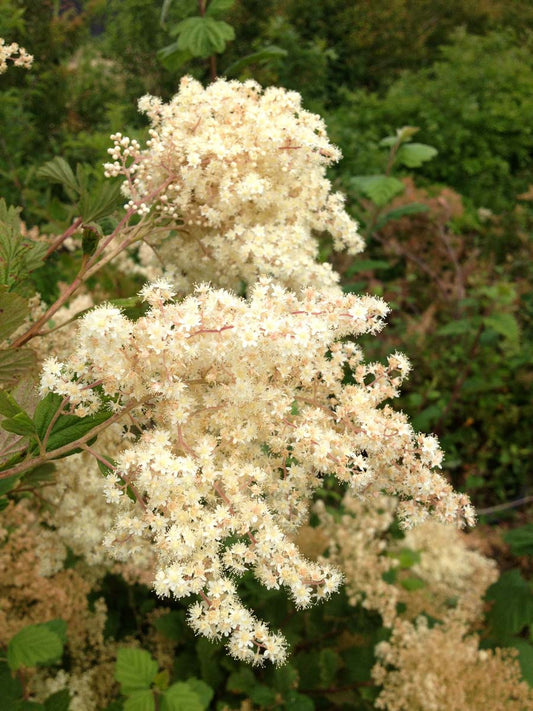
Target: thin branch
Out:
[504,507]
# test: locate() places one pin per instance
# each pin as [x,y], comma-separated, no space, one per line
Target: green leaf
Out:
[8,484]
[142,700]
[44,413]
[512,607]
[20,424]
[97,203]
[413,155]
[285,678]
[202,690]
[13,311]
[181,697]
[10,687]
[70,428]
[381,189]
[203,36]
[413,208]
[525,658]
[298,702]
[263,695]
[173,58]
[161,680]
[505,324]
[365,265]
[172,625]
[457,328]
[8,404]
[241,682]
[60,701]
[135,669]
[412,583]
[58,170]
[58,627]
[403,135]
[18,254]
[329,662]
[217,7]
[36,644]
[261,57]
[15,364]
[520,540]
[407,558]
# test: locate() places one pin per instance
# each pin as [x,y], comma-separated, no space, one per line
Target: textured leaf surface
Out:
[181,697]
[14,364]
[413,155]
[135,669]
[13,311]
[36,644]
[379,188]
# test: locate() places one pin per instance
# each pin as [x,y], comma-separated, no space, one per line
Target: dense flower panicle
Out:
[14,53]
[240,174]
[243,405]
[431,669]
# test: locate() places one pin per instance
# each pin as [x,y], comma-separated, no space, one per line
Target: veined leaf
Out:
[135,669]
[44,413]
[202,690]
[142,700]
[69,428]
[20,424]
[58,170]
[36,644]
[8,405]
[14,364]
[203,36]
[379,188]
[8,484]
[181,697]
[95,205]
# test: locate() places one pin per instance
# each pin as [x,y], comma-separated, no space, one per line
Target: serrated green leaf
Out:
[381,189]
[8,404]
[20,424]
[58,170]
[135,669]
[203,36]
[15,364]
[19,254]
[217,7]
[13,311]
[260,57]
[69,428]
[512,607]
[58,627]
[329,663]
[36,644]
[413,155]
[520,540]
[202,690]
[95,205]
[60,701]
[180,697]
[142,700]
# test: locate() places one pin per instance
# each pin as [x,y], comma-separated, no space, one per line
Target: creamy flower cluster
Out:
[14,53]
[239,173]
[242,406]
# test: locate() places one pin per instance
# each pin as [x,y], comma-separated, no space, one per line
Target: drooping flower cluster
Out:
[242,406]
[14,53]
[240,174]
